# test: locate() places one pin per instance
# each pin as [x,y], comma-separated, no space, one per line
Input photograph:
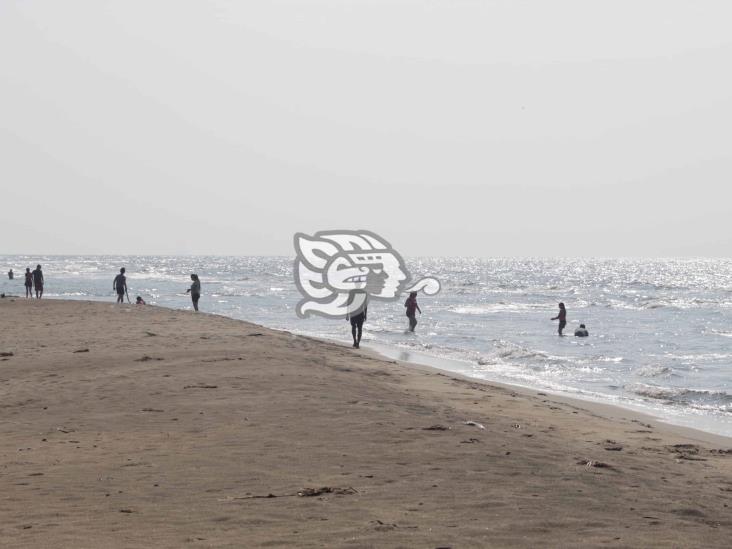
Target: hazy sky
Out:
[451,127]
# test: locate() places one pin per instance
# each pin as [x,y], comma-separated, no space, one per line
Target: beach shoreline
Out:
[607,409]
[131,426]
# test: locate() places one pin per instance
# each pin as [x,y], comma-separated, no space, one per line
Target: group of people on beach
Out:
[358,316]
[119,284]
[33,281]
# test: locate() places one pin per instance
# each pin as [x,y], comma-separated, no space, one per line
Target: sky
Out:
[454,127]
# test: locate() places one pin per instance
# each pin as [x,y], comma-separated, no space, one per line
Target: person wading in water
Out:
[562,317]
[357,316]
[412,308]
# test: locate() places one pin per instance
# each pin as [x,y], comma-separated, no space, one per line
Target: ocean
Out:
[660,329]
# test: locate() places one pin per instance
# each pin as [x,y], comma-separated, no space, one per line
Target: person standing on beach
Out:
[120,285]
[356,314]
[195,291]
[412,308]
[562,317]
[28,283]
[38,281]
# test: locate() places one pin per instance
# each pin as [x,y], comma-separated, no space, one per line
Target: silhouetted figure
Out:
[120,285]
[38,281]
[139,301]
[28,283]
[357,315]
[581,331]
[412,308]
[195,291]
[10,274]
[562,317]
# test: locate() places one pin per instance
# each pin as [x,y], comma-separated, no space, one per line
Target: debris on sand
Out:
[594,463]
[6,353]
[201,386]
[147,358]
[310,492]
[383,526]
[685,448]
[436,428]
[688,457]
[688,452]
[305,493]
[474,424]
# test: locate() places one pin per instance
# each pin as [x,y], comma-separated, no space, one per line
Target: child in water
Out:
[562,317]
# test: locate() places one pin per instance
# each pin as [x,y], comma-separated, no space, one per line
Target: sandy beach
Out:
[126,426]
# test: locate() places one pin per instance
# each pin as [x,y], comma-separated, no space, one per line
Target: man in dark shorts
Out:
[28,283]
[38,281]
[357,318]
[562,317]
[120,285]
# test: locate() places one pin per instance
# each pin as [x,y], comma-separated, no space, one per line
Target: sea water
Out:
[660,330]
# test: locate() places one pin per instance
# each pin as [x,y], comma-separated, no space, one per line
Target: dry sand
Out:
[126,426]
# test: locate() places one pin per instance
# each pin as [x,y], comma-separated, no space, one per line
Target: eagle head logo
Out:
[337,271]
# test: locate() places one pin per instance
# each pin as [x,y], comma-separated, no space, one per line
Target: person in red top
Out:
[412,308]
[562,317]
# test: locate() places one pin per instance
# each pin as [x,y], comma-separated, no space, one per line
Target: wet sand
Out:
[125,426]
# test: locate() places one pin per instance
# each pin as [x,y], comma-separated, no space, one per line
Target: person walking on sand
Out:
[357,308]
[412,308]
[120,285]
[28,283]
[562,317]
[195,291]
[38,281]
